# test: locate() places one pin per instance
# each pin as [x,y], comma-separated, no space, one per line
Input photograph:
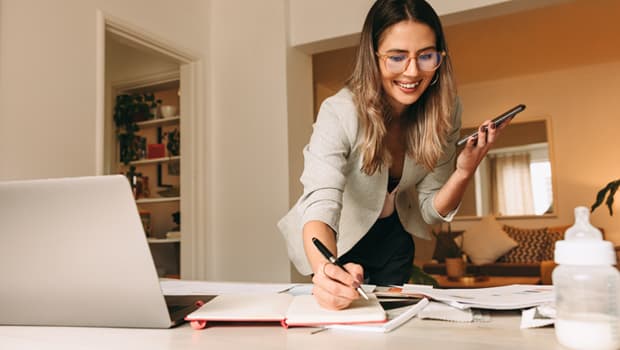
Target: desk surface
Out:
[501,333]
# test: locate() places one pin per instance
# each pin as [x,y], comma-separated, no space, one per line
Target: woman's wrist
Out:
[462,175]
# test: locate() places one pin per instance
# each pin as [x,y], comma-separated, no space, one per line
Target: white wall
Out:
[47,70]
[250,153]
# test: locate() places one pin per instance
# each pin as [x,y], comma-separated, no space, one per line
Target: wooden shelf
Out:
[159,122]
[163,240]
[157,200]
[153,160]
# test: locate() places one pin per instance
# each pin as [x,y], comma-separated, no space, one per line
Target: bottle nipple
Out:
[582,229]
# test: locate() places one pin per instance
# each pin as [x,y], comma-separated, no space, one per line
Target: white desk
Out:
[501,333]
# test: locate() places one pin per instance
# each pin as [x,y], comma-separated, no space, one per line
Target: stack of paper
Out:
[496,298]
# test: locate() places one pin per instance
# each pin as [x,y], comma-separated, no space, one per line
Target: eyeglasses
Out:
[427,61]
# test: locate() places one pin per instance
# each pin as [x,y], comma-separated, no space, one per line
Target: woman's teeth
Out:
[408,85]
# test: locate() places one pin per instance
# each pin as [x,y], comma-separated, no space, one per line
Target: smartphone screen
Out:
[497,121]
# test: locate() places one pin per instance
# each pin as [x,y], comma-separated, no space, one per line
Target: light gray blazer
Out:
[338,193]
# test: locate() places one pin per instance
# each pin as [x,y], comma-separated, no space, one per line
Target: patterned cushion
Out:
[533,245]
[552,237]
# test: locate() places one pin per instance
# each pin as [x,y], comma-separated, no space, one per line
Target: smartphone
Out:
[497,121]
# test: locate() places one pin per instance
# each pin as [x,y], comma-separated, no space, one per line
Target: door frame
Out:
[193,255]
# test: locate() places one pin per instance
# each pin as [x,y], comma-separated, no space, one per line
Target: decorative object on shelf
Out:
[611,187]
[173,191]
[139,183]
[145,216]
[156,150]
[132,108]
[128,110]
[173,234]
[174,167]
[142,187]
[131,147]
[176,218]
[156,112]
[173,142]
[168,111]
[132,175]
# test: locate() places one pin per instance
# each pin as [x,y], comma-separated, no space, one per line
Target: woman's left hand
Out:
[476,148]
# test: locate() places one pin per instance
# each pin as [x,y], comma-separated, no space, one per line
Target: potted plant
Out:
[128,110]
[451,252]
[609,190]
[173,143]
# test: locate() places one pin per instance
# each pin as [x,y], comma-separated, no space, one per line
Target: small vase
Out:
[455,268]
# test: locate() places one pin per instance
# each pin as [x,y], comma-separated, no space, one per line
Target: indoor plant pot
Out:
[455,267]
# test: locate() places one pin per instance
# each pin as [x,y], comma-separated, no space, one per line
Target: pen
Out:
[328,255]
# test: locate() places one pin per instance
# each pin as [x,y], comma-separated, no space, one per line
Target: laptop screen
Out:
[73,253]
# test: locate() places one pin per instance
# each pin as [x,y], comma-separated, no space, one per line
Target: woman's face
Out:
[401,40]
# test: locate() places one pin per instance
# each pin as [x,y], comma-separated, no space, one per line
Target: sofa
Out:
[519,252]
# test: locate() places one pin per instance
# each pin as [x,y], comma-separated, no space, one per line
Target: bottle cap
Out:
[584,252]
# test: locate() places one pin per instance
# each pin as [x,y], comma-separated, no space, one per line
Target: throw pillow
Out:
[533,245]
[552,236]
[445,246]
[485,241]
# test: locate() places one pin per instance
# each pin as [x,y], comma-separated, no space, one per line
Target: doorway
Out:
[160,167]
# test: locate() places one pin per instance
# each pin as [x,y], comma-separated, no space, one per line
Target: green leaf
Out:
[611,187]
[610,198]
[420,277]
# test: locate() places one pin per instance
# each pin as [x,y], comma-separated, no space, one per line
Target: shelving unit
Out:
[156,180]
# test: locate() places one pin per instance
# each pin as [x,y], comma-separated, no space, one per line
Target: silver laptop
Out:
[73,253]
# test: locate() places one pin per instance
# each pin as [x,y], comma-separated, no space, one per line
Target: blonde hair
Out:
[427,121]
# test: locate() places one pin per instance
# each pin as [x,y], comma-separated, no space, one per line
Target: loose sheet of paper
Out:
[396,318]
[510,297]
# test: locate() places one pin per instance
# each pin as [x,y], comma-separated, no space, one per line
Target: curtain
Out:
[511,179]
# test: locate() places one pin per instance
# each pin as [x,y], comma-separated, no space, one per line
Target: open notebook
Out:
[288,310]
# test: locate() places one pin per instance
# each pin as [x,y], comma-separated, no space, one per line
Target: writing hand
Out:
[334,288]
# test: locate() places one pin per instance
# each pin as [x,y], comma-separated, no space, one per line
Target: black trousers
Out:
[385,252]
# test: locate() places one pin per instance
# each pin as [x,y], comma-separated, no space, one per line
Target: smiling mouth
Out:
[408,85]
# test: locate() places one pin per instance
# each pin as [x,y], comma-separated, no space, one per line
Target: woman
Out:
[380,164]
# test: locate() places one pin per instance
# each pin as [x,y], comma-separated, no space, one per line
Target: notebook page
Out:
[305,310]
[243,307]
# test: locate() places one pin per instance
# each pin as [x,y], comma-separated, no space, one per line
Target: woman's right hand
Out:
[335,288]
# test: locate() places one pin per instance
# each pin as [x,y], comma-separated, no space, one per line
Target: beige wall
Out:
[582,104]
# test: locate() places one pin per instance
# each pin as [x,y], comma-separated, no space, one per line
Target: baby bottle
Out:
[586,286]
